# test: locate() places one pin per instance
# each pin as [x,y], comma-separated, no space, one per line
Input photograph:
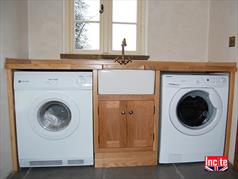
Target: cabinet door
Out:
[140,119]
[112,124]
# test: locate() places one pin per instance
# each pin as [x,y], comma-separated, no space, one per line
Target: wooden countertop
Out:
[86,64]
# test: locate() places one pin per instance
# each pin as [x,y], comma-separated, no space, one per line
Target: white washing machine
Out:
[193,116]
[54,118]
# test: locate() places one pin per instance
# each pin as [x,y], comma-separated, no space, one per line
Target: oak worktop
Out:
[72,64]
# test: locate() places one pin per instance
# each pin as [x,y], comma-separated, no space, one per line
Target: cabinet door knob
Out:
[123,112]
[130,112]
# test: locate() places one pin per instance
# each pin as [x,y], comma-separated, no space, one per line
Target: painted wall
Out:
[13,43]
[45,28]
[224,23]
[178,29]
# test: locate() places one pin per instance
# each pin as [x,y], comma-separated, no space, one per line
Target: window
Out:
[86,24]
[99,26]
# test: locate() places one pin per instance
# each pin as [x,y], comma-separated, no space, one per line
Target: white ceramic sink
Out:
[126,81]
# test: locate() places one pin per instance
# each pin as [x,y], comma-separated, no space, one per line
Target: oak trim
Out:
[125,159]
[126,97]
[236,151]
[11,106]
[229,113]
[157,111]
[192,66]
[95,110]
[43,64]
[53,67]
[124,149]
[131,66]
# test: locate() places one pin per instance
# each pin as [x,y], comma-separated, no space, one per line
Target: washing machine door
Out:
[54,116]
[195,111]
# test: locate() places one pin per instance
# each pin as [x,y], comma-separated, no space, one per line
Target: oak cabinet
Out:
[112,124]
[140,115]
[126,124]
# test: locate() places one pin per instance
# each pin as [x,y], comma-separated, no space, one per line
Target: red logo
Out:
[216,163]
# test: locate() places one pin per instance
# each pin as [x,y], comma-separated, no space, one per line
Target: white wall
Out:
[45,28]
[224,23]
[178,29]
[13,43]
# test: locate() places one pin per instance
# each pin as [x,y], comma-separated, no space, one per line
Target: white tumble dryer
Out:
[54,118]
[193,116]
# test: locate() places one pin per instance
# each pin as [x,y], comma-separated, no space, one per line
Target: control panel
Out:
[195,80]
[52,80]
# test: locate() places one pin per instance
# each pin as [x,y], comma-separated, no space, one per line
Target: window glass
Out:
[124,11]
[100,26]
[124,24]
[86,10]
[86,25]
[86,35]
[121,31]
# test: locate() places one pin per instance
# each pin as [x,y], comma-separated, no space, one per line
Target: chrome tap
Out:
[123,45]
[123,60]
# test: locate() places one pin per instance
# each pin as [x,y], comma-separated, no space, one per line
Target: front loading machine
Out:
[193,116]
[54,118]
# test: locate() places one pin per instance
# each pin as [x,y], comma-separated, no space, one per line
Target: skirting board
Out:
[125,159]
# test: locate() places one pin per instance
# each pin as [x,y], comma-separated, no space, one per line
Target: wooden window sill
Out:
[100,56]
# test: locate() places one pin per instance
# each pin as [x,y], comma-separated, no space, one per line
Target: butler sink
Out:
[126,81]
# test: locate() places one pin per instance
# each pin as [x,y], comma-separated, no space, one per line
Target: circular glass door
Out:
[195,111]
[54,116]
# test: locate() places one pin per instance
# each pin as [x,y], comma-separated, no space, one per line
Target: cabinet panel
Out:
[112,124]
[140,119]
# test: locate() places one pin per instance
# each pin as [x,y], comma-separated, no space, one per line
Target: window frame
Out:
[105,39]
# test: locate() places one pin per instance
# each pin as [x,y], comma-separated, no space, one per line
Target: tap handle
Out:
[101,9]
[124,42]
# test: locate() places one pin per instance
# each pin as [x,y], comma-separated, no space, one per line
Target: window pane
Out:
[86,36]
[121,31]
[87,10]
[124,11]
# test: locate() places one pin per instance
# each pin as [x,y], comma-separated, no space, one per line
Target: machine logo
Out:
[216,163]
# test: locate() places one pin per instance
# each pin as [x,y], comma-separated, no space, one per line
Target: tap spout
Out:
[123,45]
[123,60]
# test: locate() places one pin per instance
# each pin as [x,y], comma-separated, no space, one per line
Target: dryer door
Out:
[195,111]
[54,116]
